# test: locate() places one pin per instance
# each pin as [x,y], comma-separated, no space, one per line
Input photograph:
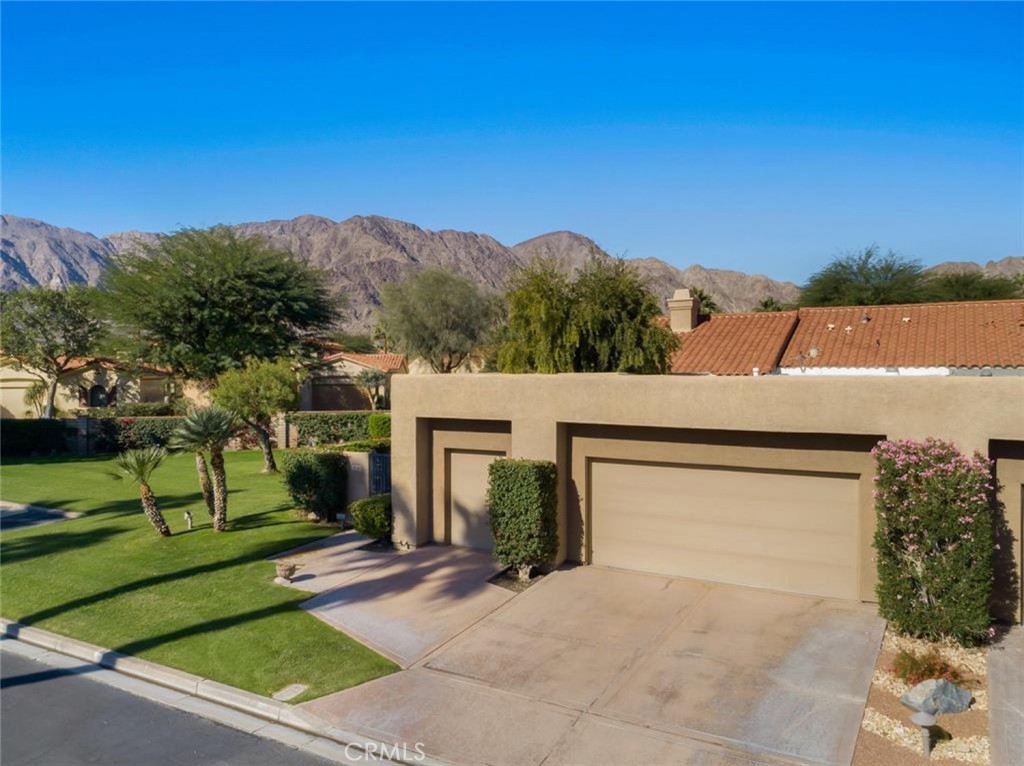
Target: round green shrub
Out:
[371,516]
[934,539]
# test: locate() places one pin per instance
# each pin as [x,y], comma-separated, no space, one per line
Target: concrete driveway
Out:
[596,665]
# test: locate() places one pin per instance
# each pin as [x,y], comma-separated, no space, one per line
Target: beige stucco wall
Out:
[543,408]
[14,383]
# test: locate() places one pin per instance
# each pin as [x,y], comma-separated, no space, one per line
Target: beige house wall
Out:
[543,412]
[130,388]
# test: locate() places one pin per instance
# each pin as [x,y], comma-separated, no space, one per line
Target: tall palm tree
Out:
[209,429]
[136,466]
[708,304]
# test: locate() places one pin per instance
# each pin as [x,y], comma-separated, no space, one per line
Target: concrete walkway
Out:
[403,605]
[595,665]
[1006,699]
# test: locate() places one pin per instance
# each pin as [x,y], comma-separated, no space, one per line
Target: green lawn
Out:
[199,601]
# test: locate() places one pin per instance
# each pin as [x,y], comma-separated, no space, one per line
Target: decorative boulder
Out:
[937,696]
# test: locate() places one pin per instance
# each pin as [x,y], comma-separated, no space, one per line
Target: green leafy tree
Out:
[708,304]
[256,393]
[208,430]
[203,301]
[867,278]
[43,331]
[604,320]
[136,466]
[438,316]
[372,382]
[357,343]
[972,286]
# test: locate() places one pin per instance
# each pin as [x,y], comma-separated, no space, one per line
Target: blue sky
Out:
[759,137]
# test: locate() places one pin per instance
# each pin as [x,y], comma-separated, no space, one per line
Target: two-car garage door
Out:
[792,529]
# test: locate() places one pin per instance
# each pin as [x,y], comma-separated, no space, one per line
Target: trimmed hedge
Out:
[380,446]
[371,516]
[132,410]
[315,481]
[315,428]
[32,437]
[523,498]
[119,434]
[934,539]
[378,426]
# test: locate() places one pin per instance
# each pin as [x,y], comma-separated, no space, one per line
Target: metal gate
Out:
[380,473]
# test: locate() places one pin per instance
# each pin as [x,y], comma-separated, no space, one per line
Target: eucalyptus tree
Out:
[438,316]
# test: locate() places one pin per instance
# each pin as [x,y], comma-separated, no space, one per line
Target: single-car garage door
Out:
[468,476]
[788,531]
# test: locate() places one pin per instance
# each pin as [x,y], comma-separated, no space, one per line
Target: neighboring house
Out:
[331,384]
[956,338]
[88,382]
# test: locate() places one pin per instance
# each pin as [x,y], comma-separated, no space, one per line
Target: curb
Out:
[255,705]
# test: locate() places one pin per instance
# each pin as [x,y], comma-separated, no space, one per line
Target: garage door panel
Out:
[703,536]
[468,479]
[782,530]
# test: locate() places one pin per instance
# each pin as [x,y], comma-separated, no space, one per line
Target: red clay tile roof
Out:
[387,362]
[78,363]
[734,344]
[961,334]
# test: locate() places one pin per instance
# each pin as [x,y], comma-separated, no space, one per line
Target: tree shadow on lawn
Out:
[257,553]
[128,505]
[46,540]
[208,626]
[26,548]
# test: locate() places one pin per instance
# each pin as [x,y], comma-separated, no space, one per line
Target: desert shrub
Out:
[913,668]
[315,481]
[32,437]
[934,539]
[119,434]
[371,516]
[523,499]
[367,445]
[378,425]
[315,428]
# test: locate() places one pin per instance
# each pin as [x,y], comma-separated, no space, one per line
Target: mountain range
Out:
[362,253]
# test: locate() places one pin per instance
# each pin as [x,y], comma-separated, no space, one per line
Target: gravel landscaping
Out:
[888,738]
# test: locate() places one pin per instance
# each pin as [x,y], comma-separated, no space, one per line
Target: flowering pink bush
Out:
[934,539]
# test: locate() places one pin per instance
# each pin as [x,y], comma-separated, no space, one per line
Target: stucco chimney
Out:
[683,310]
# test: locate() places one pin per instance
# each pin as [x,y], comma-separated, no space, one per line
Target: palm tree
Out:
[209,429]
[708,306]
[137,465]
[770,304]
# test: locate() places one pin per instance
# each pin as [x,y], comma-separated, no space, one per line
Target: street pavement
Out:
[53,717]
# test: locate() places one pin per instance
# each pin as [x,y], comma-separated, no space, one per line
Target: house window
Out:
[97,396]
